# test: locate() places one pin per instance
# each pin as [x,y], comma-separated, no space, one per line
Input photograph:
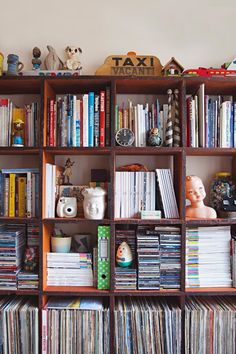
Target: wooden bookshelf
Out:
[49,87]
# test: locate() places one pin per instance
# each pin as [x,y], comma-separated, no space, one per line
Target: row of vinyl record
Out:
[79,121]
[141,325]
[211,120]
[27,116]
[136,192]
[19,192]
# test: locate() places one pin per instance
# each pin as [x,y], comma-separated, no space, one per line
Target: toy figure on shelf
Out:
[18,133]
[154,138]
[31,259]
[73,58]
[172,68]
[209,72]
[36,61]
[68,171]
[195,192]
[124,255]
[52,61]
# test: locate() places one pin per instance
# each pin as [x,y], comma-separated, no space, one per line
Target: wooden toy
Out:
[172,68]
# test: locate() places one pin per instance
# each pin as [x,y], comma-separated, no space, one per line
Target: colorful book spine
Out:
[21,196]
[96,121]
[12,195]
[108,116]
[91,118]
[102,118]
[85,121]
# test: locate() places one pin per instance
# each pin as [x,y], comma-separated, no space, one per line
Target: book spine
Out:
[12,195]
[102,118]
[85,120]
[1,194]
[96,121]
[29,196]
[44,332]
[107,115]
[21,195]
[6,195]
[73,100]
[51,124]
[64,123]
[78,122]
[91,118]
[16,197]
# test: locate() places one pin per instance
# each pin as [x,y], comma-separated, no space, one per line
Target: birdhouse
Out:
[172,68]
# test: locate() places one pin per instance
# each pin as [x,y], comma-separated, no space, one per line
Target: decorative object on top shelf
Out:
[195,193]
[60,243]
[94,203]
[124,137]
[222,194]
[209,72]
[130,65]
[172,68]
[67,207]
[73,58]
[124,255]
[18,132]
[68,172]
[36,61]
[1,63]
[14,66]
[133,168]
[154,138]
[52,61]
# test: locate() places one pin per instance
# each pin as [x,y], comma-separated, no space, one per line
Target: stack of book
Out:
[69,269]
[125,278]
[208,257]
[9,114]
[79,121]
[19,192]
[147,325]
[19,325]
[32,235]
[28,280]
[148,251]
[75,326]
[210,325]
[12,244]
[170,256]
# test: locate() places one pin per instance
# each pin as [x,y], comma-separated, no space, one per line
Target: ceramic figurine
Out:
[94,203]
[195,192]
[52,61]
[36,61]
[124,255]
[154,138]
[68,171]
[172,68]
[73,58]
[18,133]
[14,66]
[1,63]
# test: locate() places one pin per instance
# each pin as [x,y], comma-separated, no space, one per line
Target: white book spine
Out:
[85,120]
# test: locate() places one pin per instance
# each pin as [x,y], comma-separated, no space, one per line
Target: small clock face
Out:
[124,137]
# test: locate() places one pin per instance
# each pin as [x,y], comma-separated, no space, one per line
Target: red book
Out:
[102,118]
[51,124]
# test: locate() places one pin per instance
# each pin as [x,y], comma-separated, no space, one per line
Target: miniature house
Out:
[172,68]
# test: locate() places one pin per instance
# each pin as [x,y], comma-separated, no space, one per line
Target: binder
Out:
[104,257]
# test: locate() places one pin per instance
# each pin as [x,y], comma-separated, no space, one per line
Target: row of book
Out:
[19,326]
[11,115]
[211,120]
[147,325]
[136,192]
[19,192]
[78,325]
[79,121]
[208,257]
[141,118]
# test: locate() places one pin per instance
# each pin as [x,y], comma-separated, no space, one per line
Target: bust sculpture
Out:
[195,193]
[94,203]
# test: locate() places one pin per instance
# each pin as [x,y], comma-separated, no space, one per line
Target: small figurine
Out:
[31,259]
[124,255]
[73,58]
[18,133]
[52,61]
[1,63]
[36,61]
[68,171]
[154,138]
[195,192]
[172,68]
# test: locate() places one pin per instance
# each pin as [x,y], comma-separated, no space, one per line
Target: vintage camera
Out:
[67,207]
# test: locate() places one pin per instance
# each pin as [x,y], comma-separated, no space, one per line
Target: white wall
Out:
[197,33]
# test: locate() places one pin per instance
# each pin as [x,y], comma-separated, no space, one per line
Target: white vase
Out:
[94,203]
[61,244]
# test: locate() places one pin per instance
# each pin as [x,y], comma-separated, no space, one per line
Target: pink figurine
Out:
[195,192]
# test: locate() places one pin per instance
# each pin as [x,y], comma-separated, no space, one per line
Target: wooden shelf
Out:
[147,292]
[19,151]
[210,291]
[210,222]
[149,222]
[210,151]
[75,290]
[19,220]
[20,292]
[75,220]
[77,151]
[147,150]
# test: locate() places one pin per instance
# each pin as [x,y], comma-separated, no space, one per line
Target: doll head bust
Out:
[195,193]
[94,203]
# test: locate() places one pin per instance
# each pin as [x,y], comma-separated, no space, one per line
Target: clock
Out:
[124,137]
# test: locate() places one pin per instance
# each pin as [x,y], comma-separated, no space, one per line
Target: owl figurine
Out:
[124,255]
[154,138]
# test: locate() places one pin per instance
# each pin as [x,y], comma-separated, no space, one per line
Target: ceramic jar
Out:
[222,186]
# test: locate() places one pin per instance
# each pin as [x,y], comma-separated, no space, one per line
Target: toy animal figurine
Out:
[124,255]
[154,138]
[68,171]
[195,192]
[18,133]
[36,61]
[73,58]
[52,61]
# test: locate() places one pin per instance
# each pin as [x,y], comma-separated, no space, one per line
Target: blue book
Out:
[69,121]
[96,121]
[19,170]
[91,118]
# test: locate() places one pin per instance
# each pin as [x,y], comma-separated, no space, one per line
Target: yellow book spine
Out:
[21,196]
[12,194]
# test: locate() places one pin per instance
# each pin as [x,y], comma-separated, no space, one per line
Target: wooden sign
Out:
[131,65]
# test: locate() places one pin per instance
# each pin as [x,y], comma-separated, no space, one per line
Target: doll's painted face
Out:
[195,191]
